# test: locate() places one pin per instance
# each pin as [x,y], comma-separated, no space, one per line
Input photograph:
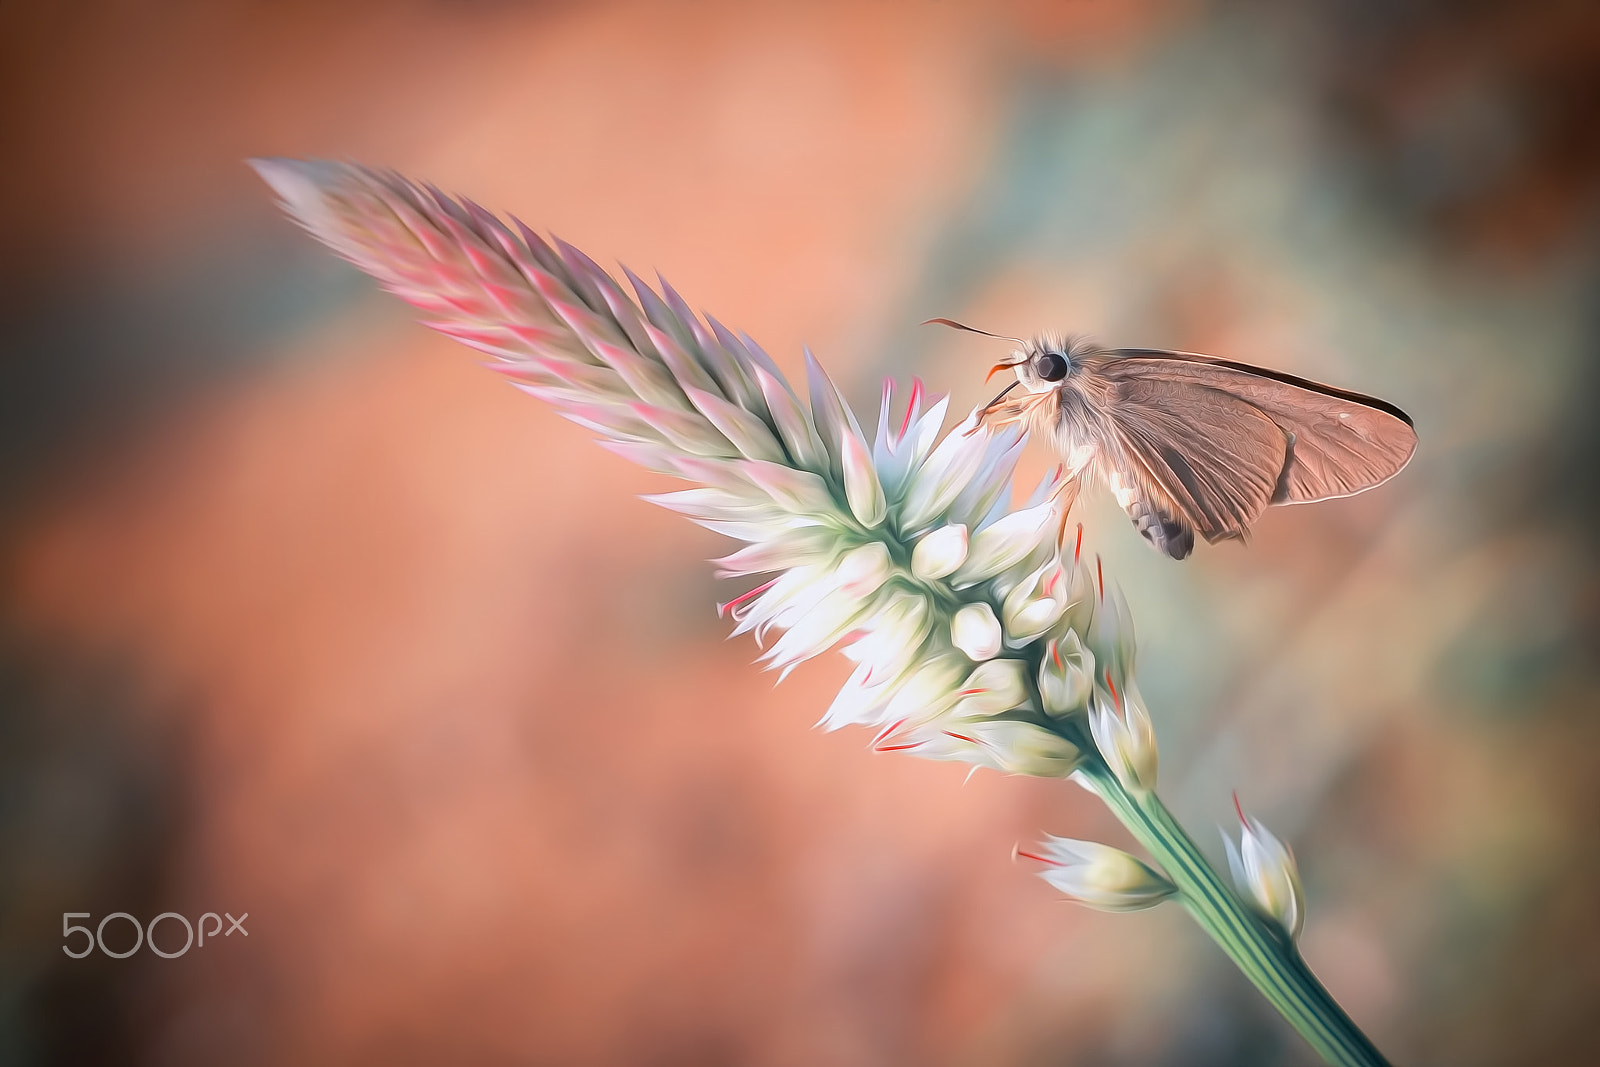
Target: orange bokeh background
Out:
[308,616]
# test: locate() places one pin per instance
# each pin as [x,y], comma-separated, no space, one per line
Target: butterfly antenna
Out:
[954,325]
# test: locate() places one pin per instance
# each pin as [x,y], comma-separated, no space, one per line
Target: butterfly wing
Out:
[1187,457]
[1339,442]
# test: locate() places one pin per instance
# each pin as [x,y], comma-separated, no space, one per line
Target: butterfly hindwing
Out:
[1192,453]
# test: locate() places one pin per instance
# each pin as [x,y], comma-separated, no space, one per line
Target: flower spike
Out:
[973,640]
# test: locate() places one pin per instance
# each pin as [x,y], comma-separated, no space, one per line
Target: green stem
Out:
[1259,948]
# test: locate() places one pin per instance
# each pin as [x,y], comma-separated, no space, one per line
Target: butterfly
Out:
[1195,444]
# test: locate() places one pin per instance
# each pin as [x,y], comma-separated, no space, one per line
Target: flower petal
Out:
[861,487]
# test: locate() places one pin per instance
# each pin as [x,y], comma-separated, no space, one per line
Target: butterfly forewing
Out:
[1338,442]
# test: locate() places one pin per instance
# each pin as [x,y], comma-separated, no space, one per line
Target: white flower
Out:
[993,687]
[975,631]
[1264,870]
[1066,675]
[1124,735]
[891,639]
[1006,745]
[928,691]
[898,452]
[935,484]
[1036,604]
[1100,876]
[1005,544]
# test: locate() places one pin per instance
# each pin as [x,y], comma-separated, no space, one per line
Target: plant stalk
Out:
[1261,949]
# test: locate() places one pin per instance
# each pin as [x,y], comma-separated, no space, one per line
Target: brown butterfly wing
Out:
[1340,442]
[1195,454]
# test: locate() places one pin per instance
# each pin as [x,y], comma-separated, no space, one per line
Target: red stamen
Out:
[883,735]
[971,692]
[1036,856]
[1050,583]
[898,748]
[911,407]
[1100,576]
[736,601]
[960,737]
[1055,654]
[1116,701]
[1240,809]
[1077,550]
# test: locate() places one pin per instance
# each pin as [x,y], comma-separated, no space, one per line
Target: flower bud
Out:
[940,552]
[1066,677]
[1004,543]
[1127,741]
[1035,605]
[1081,600]
[1110,631]
[1264,870]
[975,631]
[1100,876]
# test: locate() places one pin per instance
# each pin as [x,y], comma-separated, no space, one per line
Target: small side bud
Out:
[1100,876]
[1264,870]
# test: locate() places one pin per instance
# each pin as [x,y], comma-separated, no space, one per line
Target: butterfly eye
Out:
[1050,366]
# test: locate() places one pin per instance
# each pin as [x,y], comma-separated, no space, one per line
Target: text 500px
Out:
[143,935]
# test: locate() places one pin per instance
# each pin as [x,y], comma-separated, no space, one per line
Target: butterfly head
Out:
[1041,365]
[1045,362]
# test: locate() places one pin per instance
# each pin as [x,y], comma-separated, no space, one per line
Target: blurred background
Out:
[303,614]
